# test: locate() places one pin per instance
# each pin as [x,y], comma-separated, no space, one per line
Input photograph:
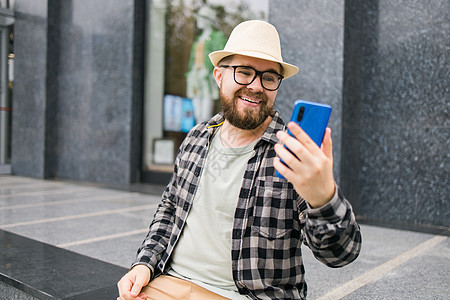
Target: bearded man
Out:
[227,226]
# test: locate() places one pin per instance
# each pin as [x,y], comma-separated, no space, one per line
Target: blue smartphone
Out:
[313,118]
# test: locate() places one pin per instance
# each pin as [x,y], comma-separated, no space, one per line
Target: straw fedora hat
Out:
[258,39]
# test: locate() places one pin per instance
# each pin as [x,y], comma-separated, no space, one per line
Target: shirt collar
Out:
[274,126]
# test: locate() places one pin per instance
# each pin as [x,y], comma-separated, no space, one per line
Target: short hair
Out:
[225,60]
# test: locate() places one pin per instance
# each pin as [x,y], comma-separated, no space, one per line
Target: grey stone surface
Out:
[423,277]
[48,272]
[396,111]
[74,101]
[26,198]
[8,292]
[5,169]
[379,245]
[311,34]
[93,111]
[107,250]
[72,208]
[81,229]
[29,102]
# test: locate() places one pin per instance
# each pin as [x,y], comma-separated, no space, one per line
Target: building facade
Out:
[105,91]
[6,82]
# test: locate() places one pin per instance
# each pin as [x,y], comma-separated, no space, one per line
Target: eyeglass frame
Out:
[260,73]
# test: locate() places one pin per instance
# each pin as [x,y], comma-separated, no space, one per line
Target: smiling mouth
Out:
[250,100]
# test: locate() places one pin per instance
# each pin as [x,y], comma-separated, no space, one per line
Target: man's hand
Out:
[131,283]
[311,172]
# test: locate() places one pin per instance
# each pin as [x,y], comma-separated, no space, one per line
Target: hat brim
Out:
[288,69]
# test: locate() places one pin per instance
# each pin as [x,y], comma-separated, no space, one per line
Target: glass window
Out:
[180,90]
[6,84]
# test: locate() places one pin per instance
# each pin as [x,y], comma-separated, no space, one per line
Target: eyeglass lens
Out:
[246,75]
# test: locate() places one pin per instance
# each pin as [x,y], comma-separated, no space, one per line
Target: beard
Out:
[250,117]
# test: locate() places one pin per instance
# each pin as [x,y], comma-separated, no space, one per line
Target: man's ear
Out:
[217,75]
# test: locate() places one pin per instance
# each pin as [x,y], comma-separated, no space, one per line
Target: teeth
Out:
[250,100]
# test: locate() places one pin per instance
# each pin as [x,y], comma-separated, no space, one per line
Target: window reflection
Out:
[180,90]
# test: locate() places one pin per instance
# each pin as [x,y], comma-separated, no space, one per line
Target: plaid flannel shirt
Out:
[270,223]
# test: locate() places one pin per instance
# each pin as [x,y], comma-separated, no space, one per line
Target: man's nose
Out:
[256,84]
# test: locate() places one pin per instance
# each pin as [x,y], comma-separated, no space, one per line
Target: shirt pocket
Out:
[273,210]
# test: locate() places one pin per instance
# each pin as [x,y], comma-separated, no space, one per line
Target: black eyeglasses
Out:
[245,75]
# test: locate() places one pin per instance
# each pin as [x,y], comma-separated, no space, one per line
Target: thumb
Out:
[138,284]
[136,289]
[142,276]
[327,145]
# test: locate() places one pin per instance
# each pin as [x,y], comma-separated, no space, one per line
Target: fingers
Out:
[137,287]
[327,144]
[283,169]
[142,296]
[296,151]
[308,167]
[124,285]
[289,159]
[302,144]
[131,284]
[302,137]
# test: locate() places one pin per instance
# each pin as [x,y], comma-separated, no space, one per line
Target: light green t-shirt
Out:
[203,253]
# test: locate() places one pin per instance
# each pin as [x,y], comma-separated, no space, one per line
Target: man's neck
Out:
[233,137]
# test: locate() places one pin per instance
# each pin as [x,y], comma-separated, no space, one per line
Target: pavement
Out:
[109,224]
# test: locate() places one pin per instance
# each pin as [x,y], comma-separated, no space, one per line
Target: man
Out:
[228,227]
